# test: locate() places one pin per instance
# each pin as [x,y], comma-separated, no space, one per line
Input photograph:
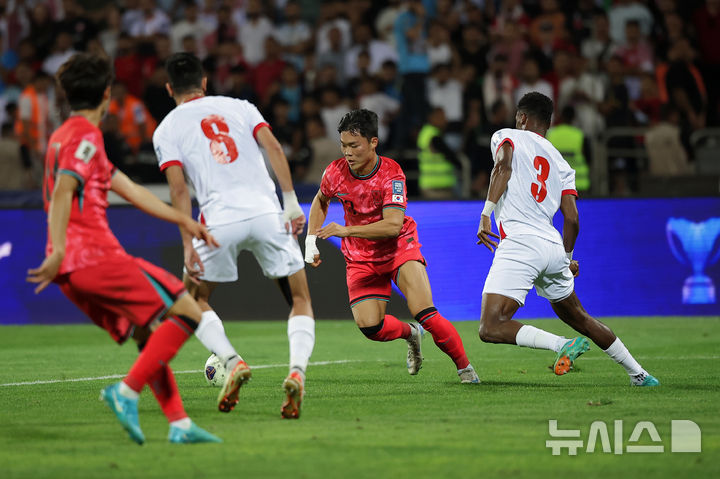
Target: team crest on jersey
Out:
[85,151]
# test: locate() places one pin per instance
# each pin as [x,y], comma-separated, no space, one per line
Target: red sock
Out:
[445,335]
[160,348]
[389,329]
[165,389]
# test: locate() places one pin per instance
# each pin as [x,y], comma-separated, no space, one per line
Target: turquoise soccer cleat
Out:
[648,381]
[193,435]
[570,351]
[125,410]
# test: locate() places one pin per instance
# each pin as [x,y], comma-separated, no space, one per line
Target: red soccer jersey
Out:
[364,198]
[77,149]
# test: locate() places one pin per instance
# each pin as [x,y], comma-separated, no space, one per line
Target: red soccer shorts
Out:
[370,280]
[120,295]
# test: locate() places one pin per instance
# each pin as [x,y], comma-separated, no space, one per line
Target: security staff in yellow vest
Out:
[437,173]
[570,142]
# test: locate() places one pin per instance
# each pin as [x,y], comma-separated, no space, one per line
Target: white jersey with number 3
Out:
[540,176]
[213,139]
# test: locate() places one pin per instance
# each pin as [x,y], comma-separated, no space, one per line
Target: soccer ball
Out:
[215,371]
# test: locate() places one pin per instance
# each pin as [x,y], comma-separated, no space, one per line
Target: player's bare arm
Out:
[571,228]
[291,208]
[501,173]
[144,200]
[388,227]
[180,197]
[58,217]
[318,213]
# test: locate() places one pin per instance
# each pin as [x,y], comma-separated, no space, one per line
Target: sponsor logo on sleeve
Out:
[398,187]
[85,151]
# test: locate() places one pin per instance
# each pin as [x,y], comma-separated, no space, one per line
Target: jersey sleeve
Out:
[567,178]
[166,150]
[254,118]
[394,192]
[328,183]
[498,139]
[78,157]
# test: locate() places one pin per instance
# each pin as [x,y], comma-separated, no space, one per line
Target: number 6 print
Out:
[542,166]
[216,129]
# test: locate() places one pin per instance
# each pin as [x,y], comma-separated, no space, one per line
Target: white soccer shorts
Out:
[265,236]
[524,261]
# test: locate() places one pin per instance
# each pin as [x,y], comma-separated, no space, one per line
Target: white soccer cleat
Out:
[468,375]
[414,357]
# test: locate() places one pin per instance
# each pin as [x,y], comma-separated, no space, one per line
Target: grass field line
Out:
[192,371]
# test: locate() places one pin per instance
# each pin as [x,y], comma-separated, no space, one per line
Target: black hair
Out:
[185,72]
[538,106]
[360,122]
[84,78]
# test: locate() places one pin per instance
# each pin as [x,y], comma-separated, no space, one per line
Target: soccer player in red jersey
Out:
[380,245]
[124,295]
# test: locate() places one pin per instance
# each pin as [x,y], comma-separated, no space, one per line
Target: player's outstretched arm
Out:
[58,217]
[499,178]
[291,208]
[388,227]
[180,198]
[318,213]
[144,200]
[571,228]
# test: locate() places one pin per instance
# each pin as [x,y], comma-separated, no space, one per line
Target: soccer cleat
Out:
[644,380]
[228,397]
[295,390]
[570,351]
[468,375]
[125,410]
[414,356]
[193,435]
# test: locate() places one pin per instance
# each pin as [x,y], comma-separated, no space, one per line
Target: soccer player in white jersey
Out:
[213,140]
[529,182]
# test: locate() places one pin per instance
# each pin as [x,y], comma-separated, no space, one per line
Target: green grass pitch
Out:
[364,417]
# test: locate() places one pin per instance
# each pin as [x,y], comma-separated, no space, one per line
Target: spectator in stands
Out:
[446,92]
[624,11]
[110,34]
[647,107]
[531,81]
[269,71]
[294,35]
[136,125]
[582,20]
[706,20]
[511,13]
[148,21]
[682,84]
[414,66]
[551,22]
[572,144]
[637,57]
[323,151]
[439,50]
[512,46]
[600,46]
[42,29]
[498,85]
[62,51]
[474,48]
[333,108]
[190,25]
[584,91]
[438,179]
[334,54]
[378,50]
[389,80]
[32,126]
[240,86]
[254,33]
[291,92]
[666,154]
[332,17]
[386,107]
[78,24]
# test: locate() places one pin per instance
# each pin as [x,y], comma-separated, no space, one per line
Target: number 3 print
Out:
[216,129]
[542,166]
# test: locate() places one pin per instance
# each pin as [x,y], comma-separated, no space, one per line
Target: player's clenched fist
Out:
[312,254]
[485,232]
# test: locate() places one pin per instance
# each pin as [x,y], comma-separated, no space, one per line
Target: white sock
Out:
[532,337]
[183,423]
[127,391]
[301,336]
[622,356]
[211,334]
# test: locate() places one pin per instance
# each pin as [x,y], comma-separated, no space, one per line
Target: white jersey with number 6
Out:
[540,176]
[213,139]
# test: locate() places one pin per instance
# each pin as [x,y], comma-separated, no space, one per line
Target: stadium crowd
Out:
[442,76]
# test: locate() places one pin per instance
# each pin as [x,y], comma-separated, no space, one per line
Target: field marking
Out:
[191,371]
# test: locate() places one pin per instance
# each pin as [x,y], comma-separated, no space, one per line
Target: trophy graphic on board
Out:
[692,244]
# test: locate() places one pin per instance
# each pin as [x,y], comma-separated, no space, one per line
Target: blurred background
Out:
[635,83]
